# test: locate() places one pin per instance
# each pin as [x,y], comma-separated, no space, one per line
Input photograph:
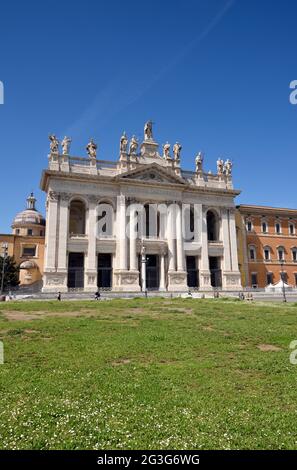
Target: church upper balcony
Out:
[133,156]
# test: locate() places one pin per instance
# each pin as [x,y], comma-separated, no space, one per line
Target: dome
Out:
[29,216]
[28,265]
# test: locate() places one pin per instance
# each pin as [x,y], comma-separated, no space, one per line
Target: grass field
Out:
[147,373]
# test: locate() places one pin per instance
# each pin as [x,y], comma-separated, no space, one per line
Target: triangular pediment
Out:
[153,174]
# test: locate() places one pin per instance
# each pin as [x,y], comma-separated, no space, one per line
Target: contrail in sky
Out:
[118,94]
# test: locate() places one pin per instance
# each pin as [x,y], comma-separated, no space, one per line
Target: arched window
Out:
[281,253]
[249,225]
[212,226]
[267,253]
[291,229]
[264,226]
[252,253]
[278,228]
[77,217]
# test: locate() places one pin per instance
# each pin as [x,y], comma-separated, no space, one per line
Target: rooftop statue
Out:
[220,166]
[54,143]
[91,149]
[199,162]
[133,145]
[66,145]
[123,143]
[228,167]
[176,151]
[148,130]
[166,151]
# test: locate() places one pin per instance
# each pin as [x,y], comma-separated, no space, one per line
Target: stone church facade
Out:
[138,223]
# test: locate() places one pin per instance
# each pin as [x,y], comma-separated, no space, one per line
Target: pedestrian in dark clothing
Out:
[97,295]
[59,296]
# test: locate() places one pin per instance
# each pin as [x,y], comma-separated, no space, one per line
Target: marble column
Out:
[204,262]
[226,240]
[133,239]
[197,223]
[233,241]
[180,255]
[170,233]
[51,232]
[121,230]
[177,276]
[91,261]
[162,286]
[63,238]
[63,232]
[53,280]
[231,274]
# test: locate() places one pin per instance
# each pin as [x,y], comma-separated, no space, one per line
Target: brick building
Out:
[267,245]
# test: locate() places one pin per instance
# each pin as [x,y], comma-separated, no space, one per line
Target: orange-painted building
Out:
[267,245]
[26,243]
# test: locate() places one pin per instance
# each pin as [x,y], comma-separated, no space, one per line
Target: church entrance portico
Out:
[138,223]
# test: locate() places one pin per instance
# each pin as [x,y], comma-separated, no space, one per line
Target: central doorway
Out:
[76,270]
[215,271]
[192,272]
[152,272]
[104,279]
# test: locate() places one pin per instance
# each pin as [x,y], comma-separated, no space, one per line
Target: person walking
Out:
[59,297]
[97,295]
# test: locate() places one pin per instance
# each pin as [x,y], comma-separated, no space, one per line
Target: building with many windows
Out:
[267,244]
[139,222]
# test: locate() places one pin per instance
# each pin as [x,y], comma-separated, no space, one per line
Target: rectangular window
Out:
[295,275]
[291,229]
[277,228]
[269,278]
[29,231]
[264,227]
[266,254]
[294,255]
[29,251]
[249,226]
[254,279]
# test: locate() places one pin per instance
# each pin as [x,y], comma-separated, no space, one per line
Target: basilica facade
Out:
[139,222]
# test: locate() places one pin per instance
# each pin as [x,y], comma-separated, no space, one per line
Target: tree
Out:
[11,272]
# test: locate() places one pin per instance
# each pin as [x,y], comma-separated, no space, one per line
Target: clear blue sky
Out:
[213,74]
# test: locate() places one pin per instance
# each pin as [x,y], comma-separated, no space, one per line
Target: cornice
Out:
[111,180]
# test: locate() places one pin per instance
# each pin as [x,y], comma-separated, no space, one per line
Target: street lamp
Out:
[5,252]
[283,282]
[143,269]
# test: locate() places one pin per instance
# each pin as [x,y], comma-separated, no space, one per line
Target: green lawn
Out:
[147,373]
